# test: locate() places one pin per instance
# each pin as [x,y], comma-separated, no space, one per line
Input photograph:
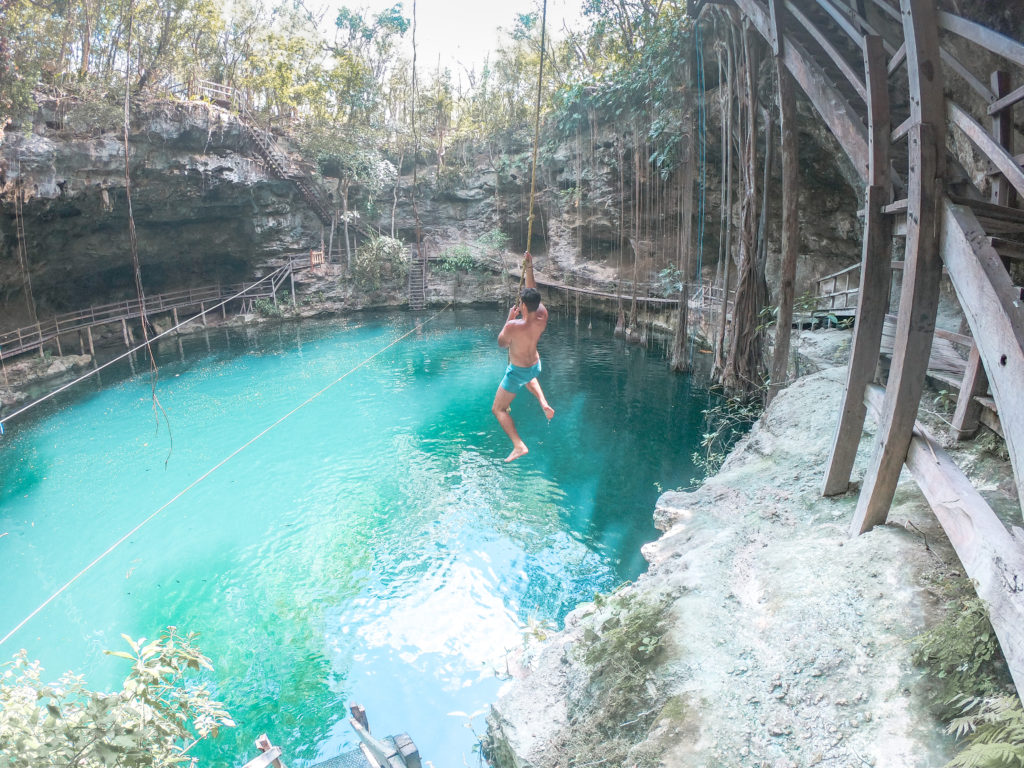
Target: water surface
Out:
[371,548]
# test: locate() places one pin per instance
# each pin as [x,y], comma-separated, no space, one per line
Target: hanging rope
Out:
[209,472]
[536,141]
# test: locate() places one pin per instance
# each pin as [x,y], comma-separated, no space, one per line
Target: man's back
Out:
[522,336]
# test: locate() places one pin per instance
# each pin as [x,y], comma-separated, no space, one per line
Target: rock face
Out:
[781,640]
[205,210]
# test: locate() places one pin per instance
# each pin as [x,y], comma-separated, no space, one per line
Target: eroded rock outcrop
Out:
[761,635]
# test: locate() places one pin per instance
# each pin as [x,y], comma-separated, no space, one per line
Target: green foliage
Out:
[378,260]
[993,730]
[458,257]
[961,650]
[669,281]
[619,695]
[972,691]
[493,242]
[267,308]
[154,720]
[724,424]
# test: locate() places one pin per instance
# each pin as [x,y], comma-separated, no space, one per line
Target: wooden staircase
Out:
[874,71]
[417,280]
[276,159]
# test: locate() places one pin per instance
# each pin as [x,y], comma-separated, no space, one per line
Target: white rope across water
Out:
[210,471]
[133,350]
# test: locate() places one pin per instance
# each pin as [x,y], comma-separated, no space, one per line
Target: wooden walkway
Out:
[875,72]
[34,337]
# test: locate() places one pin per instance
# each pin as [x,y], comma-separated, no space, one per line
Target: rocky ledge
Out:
[761,635]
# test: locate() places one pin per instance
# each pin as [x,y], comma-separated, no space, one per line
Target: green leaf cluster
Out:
[972,690]
[156,718]
[378,260]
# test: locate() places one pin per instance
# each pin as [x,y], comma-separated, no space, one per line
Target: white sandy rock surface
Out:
[788,642]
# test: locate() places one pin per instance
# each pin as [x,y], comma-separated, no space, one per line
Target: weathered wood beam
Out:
[1005,97]
[991,148]
[995,314]
[991,557]
[967,417]
[833,53]
[977,85]
[919,296]
[841,118]
[1002,131]
[999,44]
[873,301]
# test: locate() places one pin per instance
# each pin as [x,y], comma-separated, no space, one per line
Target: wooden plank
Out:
[978,86]
[981,138]
[867,338]
[832,52]
[898,206]
[991,307]
[919,301]
[902,129]
[991,557]
[265,760]
[967,417]
[898,58]
[999,44]
[1002,132]
[1005,98]
[841,21]
[830,104]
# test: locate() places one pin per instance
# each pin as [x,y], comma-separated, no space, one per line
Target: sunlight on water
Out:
[372,548]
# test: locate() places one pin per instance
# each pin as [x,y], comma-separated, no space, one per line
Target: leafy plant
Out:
[267,308]
[962,654]
[669,281]
[961,650]
[993,729]
[724,423]
[153,721]
[458,257]
[378,259]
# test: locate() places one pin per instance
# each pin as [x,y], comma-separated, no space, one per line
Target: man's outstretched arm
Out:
[528,271]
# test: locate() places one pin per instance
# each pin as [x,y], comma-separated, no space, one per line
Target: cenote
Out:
[371,548]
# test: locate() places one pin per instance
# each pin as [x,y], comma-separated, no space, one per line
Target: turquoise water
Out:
[372,548]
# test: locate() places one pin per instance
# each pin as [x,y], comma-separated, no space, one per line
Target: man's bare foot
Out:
[519,450]
[548,411]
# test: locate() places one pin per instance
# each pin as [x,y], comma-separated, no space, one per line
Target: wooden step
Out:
[996,219]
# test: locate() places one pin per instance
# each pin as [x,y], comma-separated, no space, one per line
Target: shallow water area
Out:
[372,547]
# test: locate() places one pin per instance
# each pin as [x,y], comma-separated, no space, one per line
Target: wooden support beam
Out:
[991,557]
[898,58]
[983,140]
[919,297]
[839,116]
[873,301]
[995,313]
[967,417]
[790,220]
[1004,97]
[919,301]
[1002,131]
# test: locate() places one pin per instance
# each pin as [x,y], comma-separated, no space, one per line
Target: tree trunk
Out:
[744,368]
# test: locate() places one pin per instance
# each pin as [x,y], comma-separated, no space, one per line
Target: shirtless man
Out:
[520,337]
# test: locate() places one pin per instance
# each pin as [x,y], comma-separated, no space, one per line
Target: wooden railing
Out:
[32,337]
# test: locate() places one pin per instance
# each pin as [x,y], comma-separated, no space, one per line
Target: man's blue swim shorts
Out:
[517,377]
